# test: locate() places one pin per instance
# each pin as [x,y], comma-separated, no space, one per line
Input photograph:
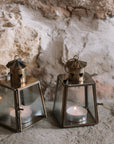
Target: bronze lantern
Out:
[75,102]
[22,107]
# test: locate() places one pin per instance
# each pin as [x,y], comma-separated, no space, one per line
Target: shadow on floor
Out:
[5,131]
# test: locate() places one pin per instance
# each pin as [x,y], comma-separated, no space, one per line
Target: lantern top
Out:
[17,63]
[74,63]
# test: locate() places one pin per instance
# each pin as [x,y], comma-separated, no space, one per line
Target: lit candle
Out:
[76,113]
[25,114]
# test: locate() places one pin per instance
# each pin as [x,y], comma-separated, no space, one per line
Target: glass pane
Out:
[91,106]
[58,101]
[7,108]
[76,95]
[31,103]
[75,106]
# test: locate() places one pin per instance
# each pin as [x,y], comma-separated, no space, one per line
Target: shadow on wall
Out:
[47,65]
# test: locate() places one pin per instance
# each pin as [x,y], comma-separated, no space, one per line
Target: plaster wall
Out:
[46,41]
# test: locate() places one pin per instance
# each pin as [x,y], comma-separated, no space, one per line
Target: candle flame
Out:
[21,107]
[0,98]
[75,108]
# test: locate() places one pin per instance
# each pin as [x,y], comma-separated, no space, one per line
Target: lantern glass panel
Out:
[90,102]
[76,96]
[7,107]
[80,107]
[75,104]
[58,101]
[32,105]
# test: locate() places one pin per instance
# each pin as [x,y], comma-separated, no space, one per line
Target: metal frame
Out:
[31,81]
[90,82]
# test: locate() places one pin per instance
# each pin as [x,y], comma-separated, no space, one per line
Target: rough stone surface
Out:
[48,131]
[21,27]
[105,85]
[54,8]
[16,38]
[2,69]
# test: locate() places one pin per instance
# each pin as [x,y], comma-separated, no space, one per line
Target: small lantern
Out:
[21,107]
[75,101]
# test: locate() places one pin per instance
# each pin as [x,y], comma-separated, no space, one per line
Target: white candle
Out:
[76,113]
[25,114]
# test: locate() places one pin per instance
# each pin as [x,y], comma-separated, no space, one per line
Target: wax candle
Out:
[25,114]
[76,113]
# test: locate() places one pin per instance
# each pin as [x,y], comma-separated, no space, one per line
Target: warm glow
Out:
[81,82]
[0,97]
[23,85]
[21,107]
[75,108]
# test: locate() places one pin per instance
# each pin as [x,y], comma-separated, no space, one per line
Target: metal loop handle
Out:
[76,57]
[70,62]
[16,57]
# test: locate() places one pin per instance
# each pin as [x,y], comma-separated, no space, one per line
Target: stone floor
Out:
[48,131]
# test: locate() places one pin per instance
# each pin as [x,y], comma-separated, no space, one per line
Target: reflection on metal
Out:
[72,94]
[17,72]
[27,106]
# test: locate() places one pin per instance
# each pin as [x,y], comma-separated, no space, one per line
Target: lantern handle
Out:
[16,57]
[76,57]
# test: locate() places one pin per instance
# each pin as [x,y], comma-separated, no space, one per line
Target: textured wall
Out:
[66,8]
[21,27]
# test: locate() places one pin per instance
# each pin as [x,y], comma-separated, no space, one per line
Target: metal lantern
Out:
[75,101]
[22,107]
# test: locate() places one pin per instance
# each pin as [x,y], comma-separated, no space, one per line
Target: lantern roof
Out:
[74,63]
[16,63]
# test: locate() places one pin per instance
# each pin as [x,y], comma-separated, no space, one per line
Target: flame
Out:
[75,108]
[0,98]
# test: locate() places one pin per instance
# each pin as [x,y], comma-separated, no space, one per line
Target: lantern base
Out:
[89,120]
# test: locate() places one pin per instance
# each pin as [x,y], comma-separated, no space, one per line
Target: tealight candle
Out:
[25,114]
[76,113]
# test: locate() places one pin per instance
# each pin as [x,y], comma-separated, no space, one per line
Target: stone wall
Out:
[65,8]
[47,43]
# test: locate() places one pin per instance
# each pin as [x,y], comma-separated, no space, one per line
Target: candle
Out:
[76,113]
[25,114]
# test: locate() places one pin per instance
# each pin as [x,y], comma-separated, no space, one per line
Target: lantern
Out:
[21,107]
[75,101]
